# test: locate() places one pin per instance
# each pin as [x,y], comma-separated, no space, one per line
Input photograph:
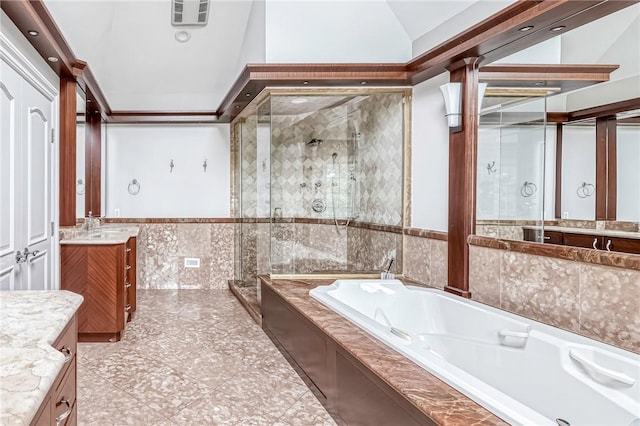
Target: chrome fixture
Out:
[318,205]
[562,422]
[134,187]
[315,142]
[23,257]
[318,184]
[528,189]
[491,167]
[171,166]
[80,187]
[585,190]
[204,165]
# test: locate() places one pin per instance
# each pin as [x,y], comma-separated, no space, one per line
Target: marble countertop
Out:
[105,234]
[442,403]
[30,322]
[589,231]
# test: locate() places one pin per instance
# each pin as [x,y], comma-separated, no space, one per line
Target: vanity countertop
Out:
[588,231]
[30,322]
[106,234]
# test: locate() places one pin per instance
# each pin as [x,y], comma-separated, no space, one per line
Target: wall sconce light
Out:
[452,103]
[452,93]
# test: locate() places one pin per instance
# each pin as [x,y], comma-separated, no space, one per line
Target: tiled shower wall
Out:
[163,247]
[597,301]
[368,167]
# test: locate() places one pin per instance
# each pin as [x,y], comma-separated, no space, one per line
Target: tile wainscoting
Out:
[596,301]
[163,247]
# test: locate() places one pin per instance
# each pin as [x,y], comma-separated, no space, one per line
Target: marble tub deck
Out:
[439,401]
[191,357]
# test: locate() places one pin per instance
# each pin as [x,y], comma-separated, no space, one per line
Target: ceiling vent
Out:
[191,13]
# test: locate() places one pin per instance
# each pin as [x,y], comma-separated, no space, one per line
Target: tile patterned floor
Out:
[192,357]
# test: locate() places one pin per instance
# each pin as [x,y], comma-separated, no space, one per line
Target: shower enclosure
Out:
[316,173]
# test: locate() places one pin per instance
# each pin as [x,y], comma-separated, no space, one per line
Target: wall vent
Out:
[191,13]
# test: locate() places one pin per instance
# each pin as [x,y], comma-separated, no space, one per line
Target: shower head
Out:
[315,142]
[334,155]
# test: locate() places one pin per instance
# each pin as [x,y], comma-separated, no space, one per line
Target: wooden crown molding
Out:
[493,38]
[607,110]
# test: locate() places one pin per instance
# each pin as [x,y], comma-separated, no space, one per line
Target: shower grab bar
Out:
[596,371]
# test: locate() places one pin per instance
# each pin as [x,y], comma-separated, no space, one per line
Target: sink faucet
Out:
[88,221]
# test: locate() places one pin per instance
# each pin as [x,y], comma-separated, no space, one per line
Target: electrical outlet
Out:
[116,212]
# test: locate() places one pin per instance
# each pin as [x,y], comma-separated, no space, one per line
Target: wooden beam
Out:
[605,110]
[601,168]
[612,168]
[463,146]
[93,161]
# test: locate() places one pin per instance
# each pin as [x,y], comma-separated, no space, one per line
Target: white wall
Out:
[334,31]
[429,157]
[628,196]
[578,167]
[143,152]
[253,48]
[80,169]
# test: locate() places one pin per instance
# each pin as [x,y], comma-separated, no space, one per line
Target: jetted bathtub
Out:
[521,370]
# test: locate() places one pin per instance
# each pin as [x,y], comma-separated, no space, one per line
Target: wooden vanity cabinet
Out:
[104,274]
[598,242]
[59,407]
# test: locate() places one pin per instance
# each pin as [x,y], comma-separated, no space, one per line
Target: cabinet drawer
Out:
[67,342]
[65,396]
[582,240]
[624,245]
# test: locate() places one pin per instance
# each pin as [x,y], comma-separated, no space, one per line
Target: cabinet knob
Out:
[61,418]
[127,249]
[127,308]
[127,285]
[127,267]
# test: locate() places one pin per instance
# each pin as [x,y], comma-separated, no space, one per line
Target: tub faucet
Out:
[386,273]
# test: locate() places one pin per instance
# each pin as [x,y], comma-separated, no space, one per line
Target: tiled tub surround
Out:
[30,322]
[163,245]
[592,299]
[426,257]
[437,400]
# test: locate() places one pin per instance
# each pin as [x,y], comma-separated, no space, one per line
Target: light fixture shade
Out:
[452,103]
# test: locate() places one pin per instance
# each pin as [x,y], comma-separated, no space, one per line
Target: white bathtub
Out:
[521,370]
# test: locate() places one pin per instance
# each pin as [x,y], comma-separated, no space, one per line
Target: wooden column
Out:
[558,194]
[606,170]
[463,144]
[67,147]
[93,159]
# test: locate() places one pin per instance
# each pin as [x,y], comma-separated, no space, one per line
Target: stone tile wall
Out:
[599,302]
[426,261]
[162,249]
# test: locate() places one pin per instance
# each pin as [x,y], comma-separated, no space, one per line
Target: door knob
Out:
[20,258]
[28,253]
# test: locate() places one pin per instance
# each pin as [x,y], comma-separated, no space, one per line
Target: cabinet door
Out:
[583,240]
[625,245]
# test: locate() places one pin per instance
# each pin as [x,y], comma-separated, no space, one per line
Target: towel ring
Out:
[80,187]
[134,187]
[585,190]
[528,189]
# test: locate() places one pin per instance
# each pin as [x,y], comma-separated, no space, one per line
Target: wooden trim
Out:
[557,117]
[556,77]
[462,178]
[612,168]
[89,84]
[601,168]
[93,162]
[558,185]
[576,254]
[67,149]
[177,117]
[605,110]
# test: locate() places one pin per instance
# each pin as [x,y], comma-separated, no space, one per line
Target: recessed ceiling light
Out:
[247,94]
[237,106]
[33,33]
[527,28]
[183,36]
[305,82]
[558,28]
[299,100]
[363,82]
[52,59]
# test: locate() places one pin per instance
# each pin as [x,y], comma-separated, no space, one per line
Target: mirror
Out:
[578,173]
[81,186]
[628,167]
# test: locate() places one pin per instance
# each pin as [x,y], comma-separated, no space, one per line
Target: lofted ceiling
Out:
[131,46]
